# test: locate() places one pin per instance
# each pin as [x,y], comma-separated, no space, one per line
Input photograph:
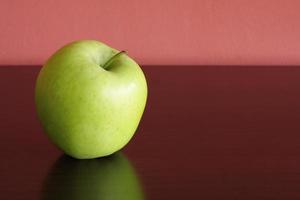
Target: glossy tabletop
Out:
[223,132]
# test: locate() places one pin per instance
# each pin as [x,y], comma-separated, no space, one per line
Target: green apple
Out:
[107,178]
[90,98]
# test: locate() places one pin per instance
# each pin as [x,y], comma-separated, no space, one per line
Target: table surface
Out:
[223,132]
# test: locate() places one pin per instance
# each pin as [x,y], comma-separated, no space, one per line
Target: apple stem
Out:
[112,58]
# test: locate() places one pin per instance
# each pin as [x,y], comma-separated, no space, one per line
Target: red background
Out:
[166,32]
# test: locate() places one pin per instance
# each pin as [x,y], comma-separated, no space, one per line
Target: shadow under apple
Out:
[111,177]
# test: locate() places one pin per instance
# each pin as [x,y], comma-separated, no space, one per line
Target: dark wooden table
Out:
[207,133]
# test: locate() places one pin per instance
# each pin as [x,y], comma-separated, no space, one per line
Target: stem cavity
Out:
[112,58]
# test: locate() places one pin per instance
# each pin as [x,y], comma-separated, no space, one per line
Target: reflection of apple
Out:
[110,177]
[90,99]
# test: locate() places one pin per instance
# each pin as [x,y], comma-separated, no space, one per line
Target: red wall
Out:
[157,31]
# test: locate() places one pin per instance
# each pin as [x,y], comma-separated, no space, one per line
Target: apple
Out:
[90,98]
[111,177]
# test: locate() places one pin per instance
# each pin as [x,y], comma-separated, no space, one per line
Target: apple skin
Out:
[106,178]
[90,99]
